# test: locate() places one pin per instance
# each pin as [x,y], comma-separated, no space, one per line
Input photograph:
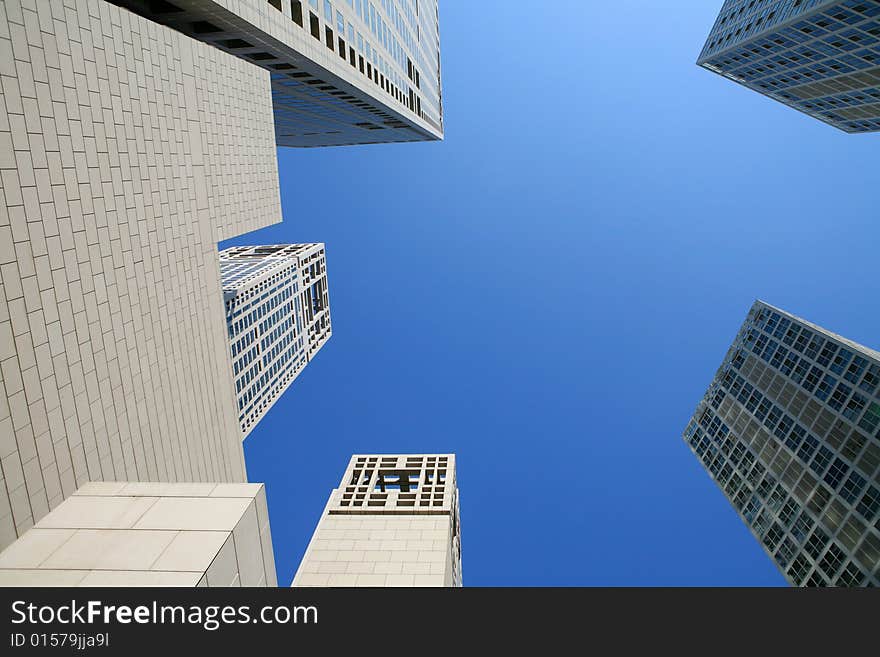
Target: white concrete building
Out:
[277,318]
[393,521]
[342,71]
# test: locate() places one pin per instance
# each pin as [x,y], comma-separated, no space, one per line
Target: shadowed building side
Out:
[789,429]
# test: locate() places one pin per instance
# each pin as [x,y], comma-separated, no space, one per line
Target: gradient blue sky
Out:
[548,292]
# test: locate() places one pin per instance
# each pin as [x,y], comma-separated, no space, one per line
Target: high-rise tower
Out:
[821,57]
[277,318]
[790,430]
[393,521]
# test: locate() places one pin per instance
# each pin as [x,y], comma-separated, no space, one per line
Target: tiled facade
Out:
[393,521]
[140,534]
[127,151]
[821,57]
[790,431]
[277,318]
[343,71]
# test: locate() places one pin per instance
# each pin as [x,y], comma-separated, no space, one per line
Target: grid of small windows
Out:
[235,272]
[265,340]
[800,465]
[824,60]
[396,55]
[277,312]
[397,482]
[314,301]
[739,20]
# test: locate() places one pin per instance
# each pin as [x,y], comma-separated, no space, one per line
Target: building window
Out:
[315,25]
[816,580]
[799,569]
[851,576]
[870,504]
[832,561]
[816,543]
[871,418]
[785,553]
[836,473]
[803,525]
[296,12]
[853,487]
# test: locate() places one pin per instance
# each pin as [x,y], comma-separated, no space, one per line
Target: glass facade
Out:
[821,57]
[277,318]
[789,429]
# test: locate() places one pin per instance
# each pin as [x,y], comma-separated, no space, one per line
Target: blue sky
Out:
[548,292]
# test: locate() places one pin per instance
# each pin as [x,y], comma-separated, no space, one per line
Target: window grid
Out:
[821,57]
[796,468]
[278,317]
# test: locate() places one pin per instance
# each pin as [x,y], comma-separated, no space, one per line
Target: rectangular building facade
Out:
[342,71]
[789,429]
[127,151]
[148,534]
[277,318]
[393,521]
[821,57]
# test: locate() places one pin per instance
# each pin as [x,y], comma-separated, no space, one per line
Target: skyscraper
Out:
[277,318]
[789,429]
[393,521]
[821,57]
[342,71]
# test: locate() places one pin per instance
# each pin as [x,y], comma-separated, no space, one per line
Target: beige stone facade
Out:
[127,151]
[139,534]
[393,521]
